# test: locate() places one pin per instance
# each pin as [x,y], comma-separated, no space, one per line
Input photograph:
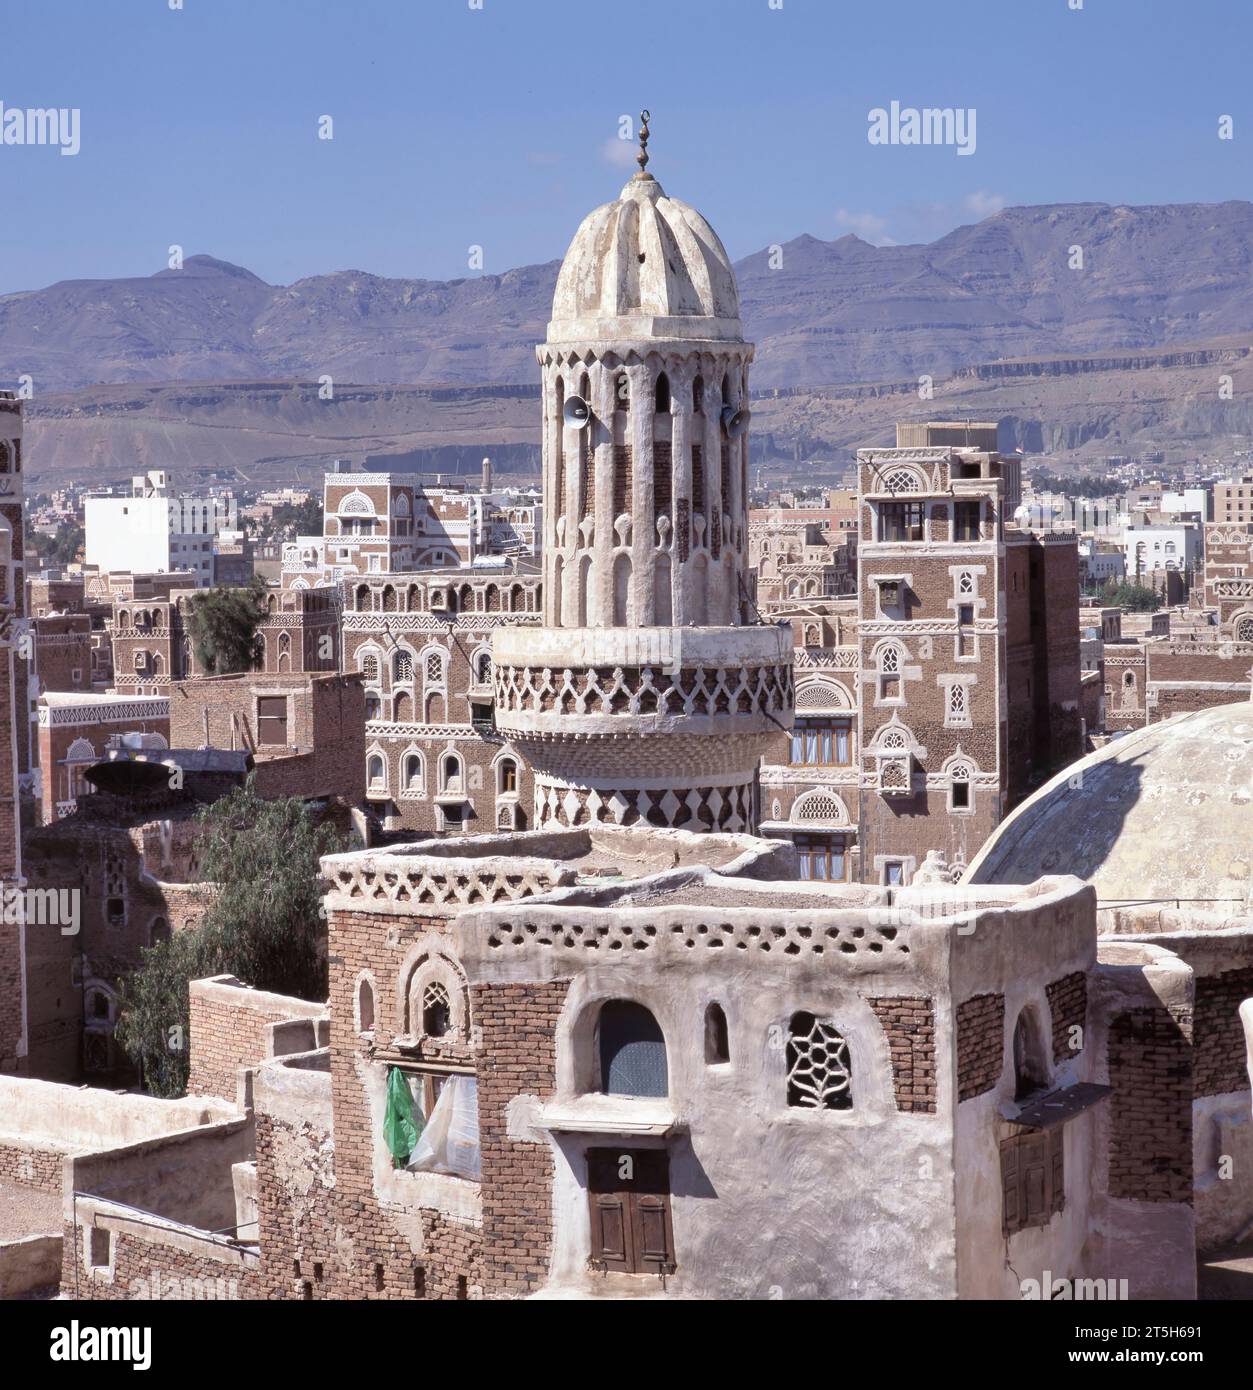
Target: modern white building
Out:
[1189,501]
[154,530]
[1149,548]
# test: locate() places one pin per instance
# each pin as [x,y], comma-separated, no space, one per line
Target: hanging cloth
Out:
[399,1130]
[450,1141]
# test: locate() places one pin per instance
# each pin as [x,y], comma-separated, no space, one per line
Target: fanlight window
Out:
[435,669]
[632,1051]
[402,667]
[821,807]
[436,1010]
[1244,630]
[370,668]
[901,480]
[819,1073]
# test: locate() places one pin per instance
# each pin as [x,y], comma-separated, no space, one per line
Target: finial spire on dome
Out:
[642,158]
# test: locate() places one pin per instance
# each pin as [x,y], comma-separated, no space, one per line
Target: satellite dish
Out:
[735,422]
[576,412]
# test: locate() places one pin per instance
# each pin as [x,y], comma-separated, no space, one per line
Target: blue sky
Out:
[496,126]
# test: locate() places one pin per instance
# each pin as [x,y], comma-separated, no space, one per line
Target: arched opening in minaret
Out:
[559,463]
[586,607]
[726,390]
[661,395]
[558,566]
[698,396]
[587,463]
[621,392]
[663,604]
[698,593]
[622,591]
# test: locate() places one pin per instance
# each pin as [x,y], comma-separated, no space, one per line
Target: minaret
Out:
[649,695]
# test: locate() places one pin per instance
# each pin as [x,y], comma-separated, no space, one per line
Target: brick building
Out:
[304,731]
[925,711]
[434,760]
[969,649]
[76,729]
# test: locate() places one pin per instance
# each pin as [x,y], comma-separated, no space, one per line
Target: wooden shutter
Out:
[608,1207]
[1011,1205]
[631,1229]
[1057,1149]
[1037,1180]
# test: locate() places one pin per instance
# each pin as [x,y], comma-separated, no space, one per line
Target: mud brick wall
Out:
[140,1265]
[980,1044]
[1068,1004]
[518,1057]
[1150,1069]
[1219,1059]
[909,1025]
[378,1259]
[226,1036]
[296,1210]
[29,1167]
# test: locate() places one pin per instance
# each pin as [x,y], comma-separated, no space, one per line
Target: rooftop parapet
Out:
[445,877]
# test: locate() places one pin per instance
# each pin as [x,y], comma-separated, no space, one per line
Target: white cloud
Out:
[867,225]
[982,203]
[620,153]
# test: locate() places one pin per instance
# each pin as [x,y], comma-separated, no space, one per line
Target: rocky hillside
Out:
[835,312]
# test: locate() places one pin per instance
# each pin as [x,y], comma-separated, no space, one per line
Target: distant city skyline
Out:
[456,127]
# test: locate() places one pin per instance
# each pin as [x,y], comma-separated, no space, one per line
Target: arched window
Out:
[436,1009]
[661,395]
[819,1073]
[365,1007]
[508,776]
[413,772]
[1031,1071]
[451,770]
[483,668]
[402,667]
[376,771]
[434,669]
[632,1051]
[1244,630]
[959,788]
[717,1043]
[370,668]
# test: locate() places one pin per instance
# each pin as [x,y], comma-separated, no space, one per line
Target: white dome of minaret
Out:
[645,264]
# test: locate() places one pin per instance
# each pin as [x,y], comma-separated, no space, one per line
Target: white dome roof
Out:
[1163,813]
[645,266]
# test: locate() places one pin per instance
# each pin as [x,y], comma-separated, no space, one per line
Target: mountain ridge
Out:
[837,311]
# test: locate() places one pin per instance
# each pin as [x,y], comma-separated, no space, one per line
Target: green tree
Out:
[223,627]
[62,548]
[1136,598]
[262,924]
[299,519]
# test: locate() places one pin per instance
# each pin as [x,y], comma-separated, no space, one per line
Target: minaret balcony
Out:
[558,683]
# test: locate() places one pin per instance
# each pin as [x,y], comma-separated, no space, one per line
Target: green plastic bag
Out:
[399,1130]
